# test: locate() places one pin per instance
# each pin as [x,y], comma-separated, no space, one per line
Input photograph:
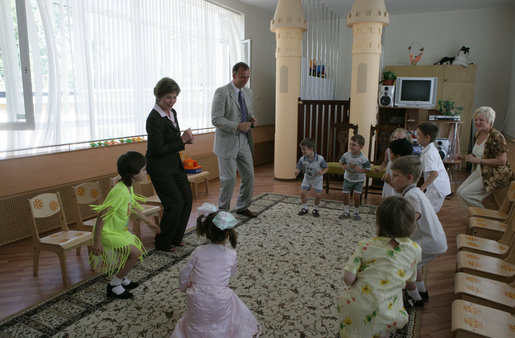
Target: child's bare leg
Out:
[318,197]
[346,198]
[303,197]
[130,263]
[346,213]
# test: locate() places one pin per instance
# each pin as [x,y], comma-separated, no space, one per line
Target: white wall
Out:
[488,32]
[262,72]
[509,123]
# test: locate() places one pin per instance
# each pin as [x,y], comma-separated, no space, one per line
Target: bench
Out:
[195,179]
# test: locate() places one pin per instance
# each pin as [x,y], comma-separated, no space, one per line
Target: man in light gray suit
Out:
[232,115]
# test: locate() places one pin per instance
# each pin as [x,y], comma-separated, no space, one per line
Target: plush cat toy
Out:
[460,59]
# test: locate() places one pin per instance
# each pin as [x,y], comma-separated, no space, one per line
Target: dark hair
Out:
[166,86]
[429,129]
[408,165]
[129,164]
[395,217]
[240,65]
[358,138]
[401,147]
[206,227]
[308,143]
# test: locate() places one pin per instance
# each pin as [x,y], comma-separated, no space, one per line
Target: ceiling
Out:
[343,7]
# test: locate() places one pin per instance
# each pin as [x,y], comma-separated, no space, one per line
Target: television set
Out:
[415,92]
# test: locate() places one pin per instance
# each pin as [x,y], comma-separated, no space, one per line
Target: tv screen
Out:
[416,90]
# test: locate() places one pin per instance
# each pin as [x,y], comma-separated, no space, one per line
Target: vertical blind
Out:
[95,63]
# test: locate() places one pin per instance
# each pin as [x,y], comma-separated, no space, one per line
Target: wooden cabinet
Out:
[456,83]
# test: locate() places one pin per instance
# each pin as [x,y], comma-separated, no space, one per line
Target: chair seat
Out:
[487,213]
[468,317]
[335,168]
[487,228]
[378,174]
[67,239]
[485,289]
[90,222]
[474,243]
[153,199]
[485,265]
[150,209]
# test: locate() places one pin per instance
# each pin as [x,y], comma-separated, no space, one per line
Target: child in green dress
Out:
[376,273]
[116,249]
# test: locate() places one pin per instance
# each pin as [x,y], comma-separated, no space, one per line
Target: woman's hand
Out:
[187,136]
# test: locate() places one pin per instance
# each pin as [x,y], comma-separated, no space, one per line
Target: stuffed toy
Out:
[460,59]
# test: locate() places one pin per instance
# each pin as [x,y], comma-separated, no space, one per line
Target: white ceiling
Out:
[342,7]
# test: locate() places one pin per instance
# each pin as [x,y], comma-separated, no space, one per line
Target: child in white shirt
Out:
[436,180]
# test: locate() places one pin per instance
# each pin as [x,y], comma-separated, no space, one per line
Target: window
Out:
[94,65]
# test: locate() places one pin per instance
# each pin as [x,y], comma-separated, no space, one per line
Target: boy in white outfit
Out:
[429,235]
[436,180]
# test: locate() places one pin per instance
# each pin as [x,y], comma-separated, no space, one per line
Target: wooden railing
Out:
[315,119]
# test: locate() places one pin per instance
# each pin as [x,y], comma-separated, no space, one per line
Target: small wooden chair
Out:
[502,270]
[338,145]
[85,194]
[484,291]
[502,213]
[149,210]
[488,247]
[474,320]
[146,188]
[489,228]
[47,207]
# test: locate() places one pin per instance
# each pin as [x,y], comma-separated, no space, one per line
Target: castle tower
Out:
[288,24]
[366,18]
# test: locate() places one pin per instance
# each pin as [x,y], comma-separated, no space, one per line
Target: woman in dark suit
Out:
[165,167]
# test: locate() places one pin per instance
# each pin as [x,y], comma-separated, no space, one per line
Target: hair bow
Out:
[223,220]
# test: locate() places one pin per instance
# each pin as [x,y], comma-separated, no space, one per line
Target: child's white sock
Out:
[126,281]
[414,294]
[305,206]
[356,210]
[346,208]
[315,207]
[421,286]
[115,281]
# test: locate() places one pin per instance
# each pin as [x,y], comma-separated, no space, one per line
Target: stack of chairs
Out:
[485,278]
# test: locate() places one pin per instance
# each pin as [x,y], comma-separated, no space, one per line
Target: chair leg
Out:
[64,272]
[35,268]
[137,228]
[327,183]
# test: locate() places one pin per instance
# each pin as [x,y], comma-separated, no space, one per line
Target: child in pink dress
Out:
[214,310]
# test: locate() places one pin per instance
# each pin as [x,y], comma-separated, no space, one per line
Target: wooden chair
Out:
[146,188]
[338,144]
[484,291]
[45,208]
[502,270]
[502,213]
[474,320]
[488,247]
[149,210]
[488,228]
[379,140]
[85,194]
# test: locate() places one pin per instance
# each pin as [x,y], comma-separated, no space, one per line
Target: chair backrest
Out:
[339,139]
[46,205]
[85,194]
[509,199]
[114,180]
[144,187]
[379,141]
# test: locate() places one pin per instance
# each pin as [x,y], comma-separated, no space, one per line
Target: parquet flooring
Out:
[19,289]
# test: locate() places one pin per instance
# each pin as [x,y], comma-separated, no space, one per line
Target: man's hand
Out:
[244,126]
[253,121]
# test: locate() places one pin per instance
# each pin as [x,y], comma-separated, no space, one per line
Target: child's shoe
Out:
[315,213]
[303,211]
[356,217]
[424,295]
[345,215]
[125,295]
[410,303]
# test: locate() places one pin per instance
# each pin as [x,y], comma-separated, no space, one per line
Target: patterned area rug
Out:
[290,271]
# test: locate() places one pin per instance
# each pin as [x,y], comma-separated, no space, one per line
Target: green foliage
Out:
[448,107]
[389,75]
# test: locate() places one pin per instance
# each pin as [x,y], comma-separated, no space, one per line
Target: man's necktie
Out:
[243,108]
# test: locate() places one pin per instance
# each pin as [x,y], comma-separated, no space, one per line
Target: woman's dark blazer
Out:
[164,145]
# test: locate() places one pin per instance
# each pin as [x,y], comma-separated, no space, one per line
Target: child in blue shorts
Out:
[356,166]
[314,167]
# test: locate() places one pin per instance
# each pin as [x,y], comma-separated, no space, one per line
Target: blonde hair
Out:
[409,165]
[401,130]
[395,217]
[487,112]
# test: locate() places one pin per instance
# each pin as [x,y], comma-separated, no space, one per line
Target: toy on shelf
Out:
[415,50]
[191,166]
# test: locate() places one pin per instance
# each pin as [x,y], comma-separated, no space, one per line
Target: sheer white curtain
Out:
[95,64]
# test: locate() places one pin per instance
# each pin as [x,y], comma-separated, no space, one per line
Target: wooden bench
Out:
[475,320]
[195,179]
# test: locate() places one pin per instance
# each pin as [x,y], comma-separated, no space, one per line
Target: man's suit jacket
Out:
[164,144]
[225,116]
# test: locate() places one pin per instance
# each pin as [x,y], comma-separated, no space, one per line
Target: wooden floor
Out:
[19,289]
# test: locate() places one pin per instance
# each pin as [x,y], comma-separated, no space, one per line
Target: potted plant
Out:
[388,77]
[448,107]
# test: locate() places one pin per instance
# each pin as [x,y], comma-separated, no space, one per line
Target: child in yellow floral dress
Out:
[115,249]
[376,273]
